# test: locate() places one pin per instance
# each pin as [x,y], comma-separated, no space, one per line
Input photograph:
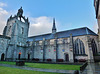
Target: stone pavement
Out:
[39,69]
[92,68]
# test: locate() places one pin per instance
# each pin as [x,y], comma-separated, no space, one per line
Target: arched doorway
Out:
[94,47]
[19,56]
[66,57]
[2,57]
[28,56]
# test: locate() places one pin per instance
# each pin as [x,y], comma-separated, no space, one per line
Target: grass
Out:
[4,62]
[48,66]
[7,70]
[54,66]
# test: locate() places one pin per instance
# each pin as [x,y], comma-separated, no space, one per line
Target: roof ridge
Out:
[72,29]
[58,32]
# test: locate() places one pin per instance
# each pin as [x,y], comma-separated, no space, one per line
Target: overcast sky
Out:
[69,14]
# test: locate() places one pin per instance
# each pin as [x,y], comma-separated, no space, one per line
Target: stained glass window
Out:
[79,47]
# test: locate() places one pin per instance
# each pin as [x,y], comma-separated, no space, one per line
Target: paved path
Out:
[92,68]
[39,69]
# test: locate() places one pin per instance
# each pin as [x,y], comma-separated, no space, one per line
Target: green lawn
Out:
[4,62]
[54,66]
[48,66]
[8,70]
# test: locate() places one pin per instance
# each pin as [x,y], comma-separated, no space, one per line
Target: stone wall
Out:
[3,45]
[63,48]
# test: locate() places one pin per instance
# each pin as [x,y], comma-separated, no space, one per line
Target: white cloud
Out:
[2,4]
[3,12]
[3,16]
[40,25]
[95,28]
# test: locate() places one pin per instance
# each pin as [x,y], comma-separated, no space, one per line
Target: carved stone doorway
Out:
[2,57]
[28,56]
[19,56]
[66,57]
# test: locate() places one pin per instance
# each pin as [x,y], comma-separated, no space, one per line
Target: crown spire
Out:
[20,12]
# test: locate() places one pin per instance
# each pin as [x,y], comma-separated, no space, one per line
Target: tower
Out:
[54,27]
[97,10]
[17,29]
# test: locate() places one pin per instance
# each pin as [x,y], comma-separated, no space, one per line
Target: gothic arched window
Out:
[94,47]
[79,47]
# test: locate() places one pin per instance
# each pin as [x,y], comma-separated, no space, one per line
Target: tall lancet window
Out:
[22,30]
[79,47]
[94,46]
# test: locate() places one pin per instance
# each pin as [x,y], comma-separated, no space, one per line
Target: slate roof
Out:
[64,34]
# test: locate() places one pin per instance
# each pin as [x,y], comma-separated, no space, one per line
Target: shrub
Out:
[35,59]
[60,60]
[49,60]
[75,60]
[82,60]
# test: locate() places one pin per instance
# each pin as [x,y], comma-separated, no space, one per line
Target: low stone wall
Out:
[97,58]
[20,63]
[76,72]
[83,66]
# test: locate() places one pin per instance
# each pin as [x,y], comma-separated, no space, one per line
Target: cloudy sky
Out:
[69,14]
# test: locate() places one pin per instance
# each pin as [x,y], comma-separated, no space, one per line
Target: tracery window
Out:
[79,47]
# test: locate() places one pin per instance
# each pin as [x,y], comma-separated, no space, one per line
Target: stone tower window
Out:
[9,28]
[9,31]
[22,30]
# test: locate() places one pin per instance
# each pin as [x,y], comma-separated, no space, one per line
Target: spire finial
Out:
[54,27]
[53,20]
[21,7]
